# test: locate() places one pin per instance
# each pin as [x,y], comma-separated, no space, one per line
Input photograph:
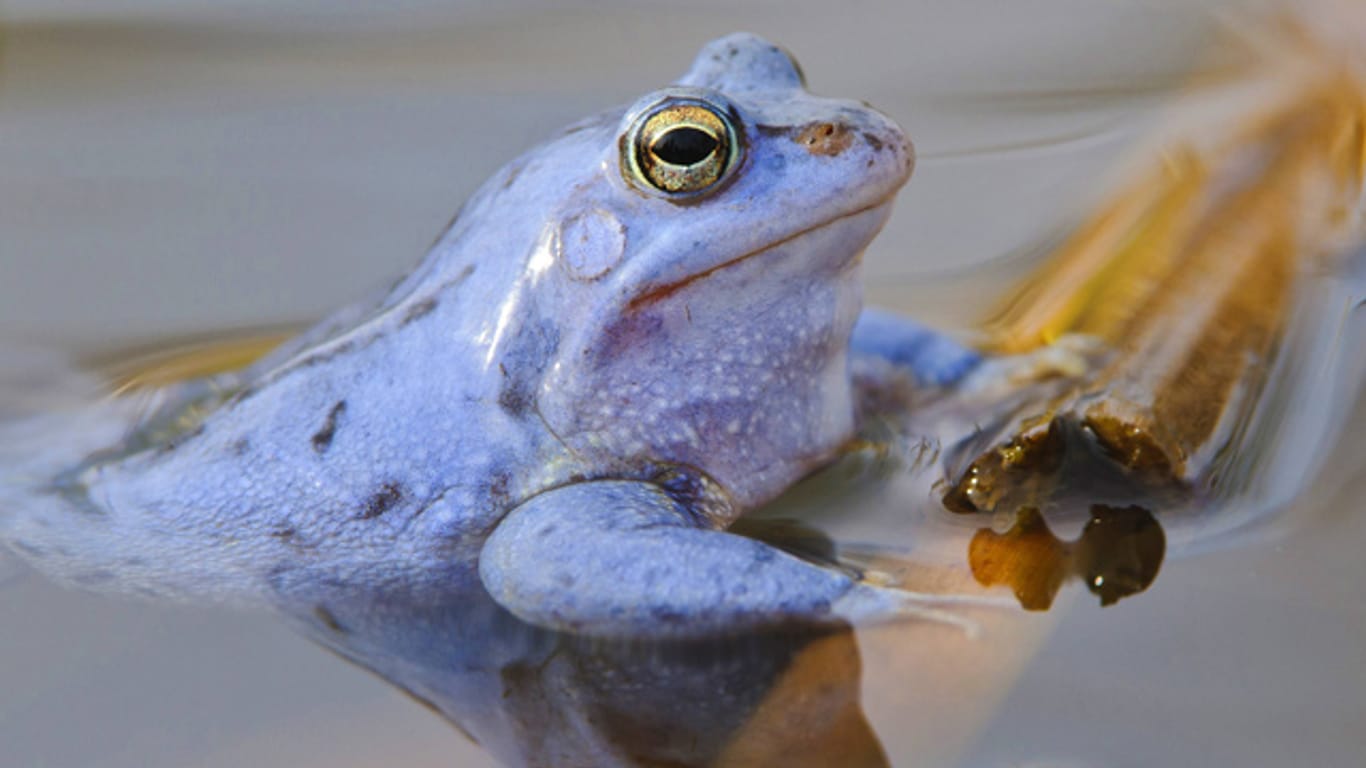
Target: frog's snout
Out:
[885,147]
[887,138]
[907,150]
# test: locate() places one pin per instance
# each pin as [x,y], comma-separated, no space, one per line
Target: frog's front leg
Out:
[624,558]
[931,357]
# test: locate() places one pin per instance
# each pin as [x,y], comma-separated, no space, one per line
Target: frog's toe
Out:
[944,362]
[932,358]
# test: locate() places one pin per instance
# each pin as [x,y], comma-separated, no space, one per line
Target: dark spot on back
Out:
[322,439]
[289,536]
[240,446]
[426,306]
[323,356]
[419,310]
[873,141]
[458,279]
[382,501]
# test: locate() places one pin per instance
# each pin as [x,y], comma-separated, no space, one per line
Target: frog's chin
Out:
[852,232]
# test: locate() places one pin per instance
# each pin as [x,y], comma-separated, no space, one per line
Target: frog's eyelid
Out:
[715,101]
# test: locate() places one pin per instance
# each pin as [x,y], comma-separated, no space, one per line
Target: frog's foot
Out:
[619,558]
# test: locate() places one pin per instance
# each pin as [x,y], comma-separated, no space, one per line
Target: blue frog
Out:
[629,337]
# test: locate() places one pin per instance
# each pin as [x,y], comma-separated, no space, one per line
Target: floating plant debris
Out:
[170,362]
[1190,277]
[1117,555]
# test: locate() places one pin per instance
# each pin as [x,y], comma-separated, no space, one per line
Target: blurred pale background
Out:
[167,167]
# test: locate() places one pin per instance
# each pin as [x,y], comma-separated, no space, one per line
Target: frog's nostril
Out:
[828,139]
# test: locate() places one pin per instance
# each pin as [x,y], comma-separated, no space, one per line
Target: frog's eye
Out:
[681,148]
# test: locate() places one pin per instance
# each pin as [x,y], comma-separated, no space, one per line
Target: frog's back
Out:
[326,450]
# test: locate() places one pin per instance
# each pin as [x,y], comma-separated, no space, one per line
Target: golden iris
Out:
[681,148]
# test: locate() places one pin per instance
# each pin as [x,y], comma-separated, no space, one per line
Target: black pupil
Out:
[684,146]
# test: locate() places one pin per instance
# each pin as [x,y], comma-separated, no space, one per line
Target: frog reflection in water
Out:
[630,336]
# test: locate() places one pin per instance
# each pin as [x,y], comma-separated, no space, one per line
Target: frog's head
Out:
[689,296]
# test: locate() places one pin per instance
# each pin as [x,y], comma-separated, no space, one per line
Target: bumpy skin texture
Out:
[568,401]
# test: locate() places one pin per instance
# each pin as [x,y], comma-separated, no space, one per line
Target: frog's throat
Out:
[668,289]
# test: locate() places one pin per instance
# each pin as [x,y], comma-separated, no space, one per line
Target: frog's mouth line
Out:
[668,289]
